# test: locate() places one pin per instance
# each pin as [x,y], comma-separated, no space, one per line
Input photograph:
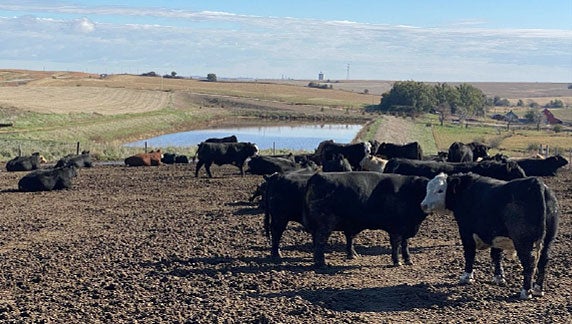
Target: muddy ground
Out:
[156,244]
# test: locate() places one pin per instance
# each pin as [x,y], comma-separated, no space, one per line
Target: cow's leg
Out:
[208,168]
[496,256]
[469,251]
[320,238]
[199,165]
[405,252]
[350,251]
[395,240]
[528,261]
[538,288]
[277,228]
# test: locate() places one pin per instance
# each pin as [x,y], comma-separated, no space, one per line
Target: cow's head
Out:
[435,194]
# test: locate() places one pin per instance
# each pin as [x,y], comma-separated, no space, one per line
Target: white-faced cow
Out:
[354,201]
[494,169]
[373,163]
[25,163]
[48,179]
[520,214]
[224,153]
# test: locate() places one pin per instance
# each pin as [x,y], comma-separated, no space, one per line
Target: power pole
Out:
[348,72]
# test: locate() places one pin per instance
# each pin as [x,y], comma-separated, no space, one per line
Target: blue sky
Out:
[431,40]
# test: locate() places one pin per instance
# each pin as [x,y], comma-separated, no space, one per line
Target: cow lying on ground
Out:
[354,201]
[227,139]
[48,179]
[283,202]
[224,153]
[25,163]
[429,169]
[172,158]
[78,160]
[354,153]
[407,151]
[519,215]
[152,158]
[459,152]
[542,167]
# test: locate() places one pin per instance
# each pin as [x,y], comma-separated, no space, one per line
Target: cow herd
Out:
[497,202]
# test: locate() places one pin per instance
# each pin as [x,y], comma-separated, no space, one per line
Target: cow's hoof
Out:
[499,280]
[467,278]
[526,294]
[408,262]
[396,264]
[537,291]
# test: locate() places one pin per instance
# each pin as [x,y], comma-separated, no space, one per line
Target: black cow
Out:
[25,163]
[224,153]
[283,201]
[494,169]
[520,215]
[263,164]
[542,167]
[327,150]
[407,151]
[172,158]
[459,152]
[338,163]
[227,139]
[354,201]
[48,179]
[78,160]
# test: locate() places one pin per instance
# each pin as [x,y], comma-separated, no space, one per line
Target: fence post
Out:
[19,149]
[145,146]
[77,149]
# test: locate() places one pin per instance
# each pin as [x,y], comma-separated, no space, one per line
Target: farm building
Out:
[550,119]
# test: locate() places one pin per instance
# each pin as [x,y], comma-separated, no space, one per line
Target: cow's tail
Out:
[197,151]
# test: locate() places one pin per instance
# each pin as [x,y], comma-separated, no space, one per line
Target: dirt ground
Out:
[156,244]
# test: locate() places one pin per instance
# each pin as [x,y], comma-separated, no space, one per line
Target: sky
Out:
[422,40]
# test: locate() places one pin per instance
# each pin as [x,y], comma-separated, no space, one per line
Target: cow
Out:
[227,139]
[520,214]
[373,163]
[48,179]
[542,167]
[353,152]
[152,158]
[82,160]
[25,163]
[172,158]
[224,153]
[263,164]
[283,201]
[407,151]
[429,169]
[337,163]
[354,201]
[459,152]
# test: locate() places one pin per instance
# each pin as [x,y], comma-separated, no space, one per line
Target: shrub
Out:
[557,128]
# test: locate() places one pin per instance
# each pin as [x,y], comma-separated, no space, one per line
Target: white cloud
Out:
[114,39]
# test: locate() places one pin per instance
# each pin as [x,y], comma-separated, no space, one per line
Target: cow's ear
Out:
[453,184]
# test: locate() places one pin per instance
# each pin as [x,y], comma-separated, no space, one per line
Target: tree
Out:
[535,116]
[471,100]
[446,98]
[173,74]
[408,96]
[211,77]
[556,103]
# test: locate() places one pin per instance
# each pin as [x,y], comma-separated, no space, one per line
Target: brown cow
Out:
[145,159]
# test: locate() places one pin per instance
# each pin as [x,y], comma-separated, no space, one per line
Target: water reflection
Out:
[298,137]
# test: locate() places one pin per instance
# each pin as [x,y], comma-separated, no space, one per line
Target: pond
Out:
[295,137]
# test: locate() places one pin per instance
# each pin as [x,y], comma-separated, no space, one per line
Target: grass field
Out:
[52,111]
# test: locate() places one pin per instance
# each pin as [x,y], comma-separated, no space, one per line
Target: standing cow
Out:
[224,153]
[354,201]
[407,151]
[459,152]
[520,215]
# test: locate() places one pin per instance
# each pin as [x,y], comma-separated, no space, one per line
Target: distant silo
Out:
[321,76]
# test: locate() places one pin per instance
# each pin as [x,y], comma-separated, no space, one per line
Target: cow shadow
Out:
[10,190]
[245,208]
[403,297]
